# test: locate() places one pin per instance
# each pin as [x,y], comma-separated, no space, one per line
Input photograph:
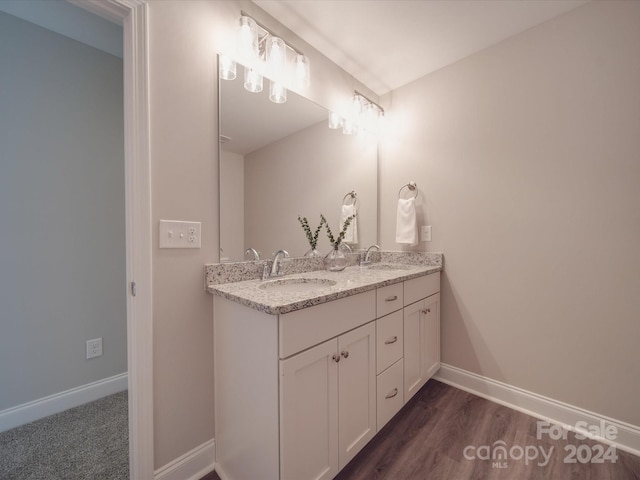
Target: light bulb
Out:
[356,106]
[349,127]
[371,114]
[303,71]
[247,38]
[227,68]
[252,80]
[277,92]
[335,121]
[276,55]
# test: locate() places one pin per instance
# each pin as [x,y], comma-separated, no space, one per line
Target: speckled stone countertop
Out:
[350,281]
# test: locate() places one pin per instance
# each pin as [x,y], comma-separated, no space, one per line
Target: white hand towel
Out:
[351,235]
[406,225]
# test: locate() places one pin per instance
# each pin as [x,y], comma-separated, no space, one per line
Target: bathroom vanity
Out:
[309,367]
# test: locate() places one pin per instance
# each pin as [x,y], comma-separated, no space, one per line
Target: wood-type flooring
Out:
[445,433]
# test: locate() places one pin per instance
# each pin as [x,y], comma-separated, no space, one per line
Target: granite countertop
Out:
[350,281]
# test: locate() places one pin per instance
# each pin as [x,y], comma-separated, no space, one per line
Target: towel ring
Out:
[411,186]
[353,195]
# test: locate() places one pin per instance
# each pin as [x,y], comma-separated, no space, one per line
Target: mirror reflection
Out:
[281,161]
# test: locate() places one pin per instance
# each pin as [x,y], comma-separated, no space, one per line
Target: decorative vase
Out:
[313,253]
[335,261]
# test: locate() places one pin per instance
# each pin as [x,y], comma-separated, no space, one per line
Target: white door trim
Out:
[132,15]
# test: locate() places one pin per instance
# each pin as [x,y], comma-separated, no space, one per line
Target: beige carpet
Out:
[88,442]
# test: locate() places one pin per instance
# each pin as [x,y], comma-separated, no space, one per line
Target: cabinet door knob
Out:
[336,358]
[345,354]
[391,299]
[392,394]
[391,340]
[426,310]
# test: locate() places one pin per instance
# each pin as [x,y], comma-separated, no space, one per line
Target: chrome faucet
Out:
[365,258]
[253,252]
[276,265]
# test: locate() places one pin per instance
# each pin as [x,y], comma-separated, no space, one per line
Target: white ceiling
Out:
[388,43]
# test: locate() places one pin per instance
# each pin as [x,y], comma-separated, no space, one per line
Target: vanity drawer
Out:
[389,299]
[390,393]
[313,325]
[389,340]
[421,287]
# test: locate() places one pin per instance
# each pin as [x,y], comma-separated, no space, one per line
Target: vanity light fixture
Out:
[248,45]
[227,68]
[263,53]
[365,116]
[303,70]
[277,92]
[335,121]
[252,80]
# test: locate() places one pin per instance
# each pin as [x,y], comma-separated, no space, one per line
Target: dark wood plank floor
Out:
[428,438]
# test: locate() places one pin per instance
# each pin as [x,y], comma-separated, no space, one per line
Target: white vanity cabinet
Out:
[295,393]
[299,394]
[421,332]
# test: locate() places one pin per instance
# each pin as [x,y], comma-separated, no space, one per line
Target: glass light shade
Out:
[356,106]
[303,71]
[277,92]
[276,56]
[252,80]
[227,68]
[349,127]
[247,38]
[371,113]
[335,121]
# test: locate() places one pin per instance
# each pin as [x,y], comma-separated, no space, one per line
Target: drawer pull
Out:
[426,310]
[391,299]
[392,340]
[345,354]
[336,358]
[392,394]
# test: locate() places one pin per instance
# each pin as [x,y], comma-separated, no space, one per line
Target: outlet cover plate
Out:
[94,347]
[179,234]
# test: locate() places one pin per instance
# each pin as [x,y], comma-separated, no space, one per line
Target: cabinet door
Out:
[356,390]
[421,343]
[431,337]
[309,414]
[413,333]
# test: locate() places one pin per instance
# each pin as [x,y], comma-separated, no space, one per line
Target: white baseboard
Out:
[192,465]
[544,408]
[59,402]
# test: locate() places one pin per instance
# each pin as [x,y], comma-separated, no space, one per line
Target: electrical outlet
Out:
[94,347]
[178,234]
[426,233]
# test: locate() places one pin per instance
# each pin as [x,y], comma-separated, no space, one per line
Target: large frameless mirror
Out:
[281,161]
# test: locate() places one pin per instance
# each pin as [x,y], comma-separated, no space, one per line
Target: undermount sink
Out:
[388,266]
[295,285]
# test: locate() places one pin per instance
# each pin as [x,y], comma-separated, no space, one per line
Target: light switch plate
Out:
[425,235]
[179,234]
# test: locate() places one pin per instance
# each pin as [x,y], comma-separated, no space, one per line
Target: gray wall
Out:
[527,158]
[62,246]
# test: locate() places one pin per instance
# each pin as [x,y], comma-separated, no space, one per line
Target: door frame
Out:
[132,15]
